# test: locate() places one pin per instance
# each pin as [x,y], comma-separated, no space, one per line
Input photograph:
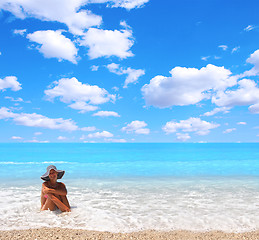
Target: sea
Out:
[127,187]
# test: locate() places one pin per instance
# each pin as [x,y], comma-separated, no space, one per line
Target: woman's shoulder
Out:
[61,184]
[45,184]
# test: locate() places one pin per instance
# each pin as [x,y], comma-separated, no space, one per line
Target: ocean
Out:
[125,187]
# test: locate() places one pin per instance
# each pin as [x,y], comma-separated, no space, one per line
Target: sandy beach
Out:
[64,233]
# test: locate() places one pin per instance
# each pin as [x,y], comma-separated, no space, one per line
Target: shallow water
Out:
[131,187]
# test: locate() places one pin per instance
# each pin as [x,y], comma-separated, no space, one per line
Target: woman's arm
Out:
[59,190]
[58,203]
[42,198]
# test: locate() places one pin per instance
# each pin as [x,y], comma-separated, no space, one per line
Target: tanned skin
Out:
[56,194]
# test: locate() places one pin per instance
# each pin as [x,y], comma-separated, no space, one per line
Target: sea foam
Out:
[139,204]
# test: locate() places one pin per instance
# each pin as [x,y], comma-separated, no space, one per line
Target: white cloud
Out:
[249,28]
[80,96]
[54,45]
[106,114]
[94,68]
[88,129]
[116,89]
[254,108]
[107,43]
[235,49]
[223,47]
[115,140]
[37,120]
[103,134]
[37,133]
[246,94]
[69,12]
[72,13]
[253,59]
[133,74]
[217,110]
[205,58]
[186,86]
[61,138]
[36,141]
[183,136]
[83,107]
[241,123]
[229,130]
[16,138]
[13,99]
[196,125]
[10,82]
[20,31]
[137,127]
[128,4]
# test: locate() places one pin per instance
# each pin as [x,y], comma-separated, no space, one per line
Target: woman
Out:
[53,193]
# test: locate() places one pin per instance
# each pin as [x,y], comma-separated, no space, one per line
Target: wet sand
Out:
[64,233]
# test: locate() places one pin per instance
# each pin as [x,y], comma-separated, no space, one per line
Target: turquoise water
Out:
[134,186]
[29,160]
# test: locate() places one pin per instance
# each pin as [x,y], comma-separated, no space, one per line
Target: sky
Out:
[129,71]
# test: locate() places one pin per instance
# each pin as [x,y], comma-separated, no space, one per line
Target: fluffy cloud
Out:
[94,68]
[241,123]
[13,99]
[16,138]
[20,31]
[133,74]
[37,120]
[72,13]
[196,125]
[229,130]
[128,4]
[183,136]
[68,12]
[61,138]
[54,45]
[10,82]
[106,114]
[115,140]
[107,43]
[82,97]
[246,94]
[83,107]
[253,59]
[88,129]
[137,127]
[254,108]
[186,86]
[103,134]
[217,110]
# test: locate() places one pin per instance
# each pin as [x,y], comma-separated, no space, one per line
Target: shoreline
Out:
[66,233]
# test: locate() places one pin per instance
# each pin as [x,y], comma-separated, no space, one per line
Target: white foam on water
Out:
[134,205]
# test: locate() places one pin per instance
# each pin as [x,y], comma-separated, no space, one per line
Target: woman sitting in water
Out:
[53,193]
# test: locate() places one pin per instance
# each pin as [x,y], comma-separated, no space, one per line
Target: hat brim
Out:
[45,176]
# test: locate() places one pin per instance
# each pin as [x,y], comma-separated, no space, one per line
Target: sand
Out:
[64,233]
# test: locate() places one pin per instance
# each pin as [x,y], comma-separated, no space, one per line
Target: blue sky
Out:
[129,71]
